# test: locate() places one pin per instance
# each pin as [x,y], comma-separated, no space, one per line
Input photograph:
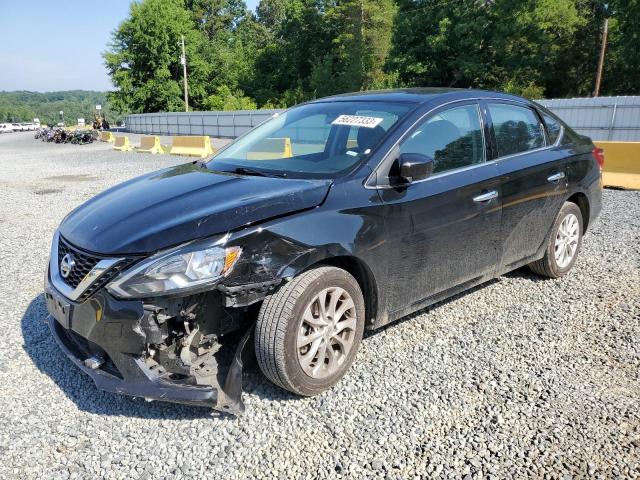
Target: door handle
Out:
[486,197]
[556,177]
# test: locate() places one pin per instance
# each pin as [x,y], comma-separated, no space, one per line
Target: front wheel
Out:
[563,244]
[309,330]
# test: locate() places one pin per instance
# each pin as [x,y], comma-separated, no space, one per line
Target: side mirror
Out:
[415,166]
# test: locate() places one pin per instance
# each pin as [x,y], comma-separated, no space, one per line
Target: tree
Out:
[622,64]
[25,106]
[290,51]
[442,43]
[573,73]
[214,17]
[272,14]
[527,47]
[144,59]
[523,47]
[225,99]
[320,47]
[293,45]
[360,33]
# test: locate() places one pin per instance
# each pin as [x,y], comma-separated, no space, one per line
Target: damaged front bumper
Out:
[110,341]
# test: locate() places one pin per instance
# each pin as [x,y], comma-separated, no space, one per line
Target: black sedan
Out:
[335,216]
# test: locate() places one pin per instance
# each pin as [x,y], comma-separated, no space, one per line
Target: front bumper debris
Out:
[148,386]
[107,339]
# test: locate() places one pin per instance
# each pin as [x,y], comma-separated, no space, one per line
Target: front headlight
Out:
[187,268]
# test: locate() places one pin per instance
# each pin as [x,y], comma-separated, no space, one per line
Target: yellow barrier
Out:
[198,146]
[621,164]
[106,137]
[122,144]
[271,148]
[150,144]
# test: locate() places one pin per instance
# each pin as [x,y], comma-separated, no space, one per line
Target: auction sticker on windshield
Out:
[357,121]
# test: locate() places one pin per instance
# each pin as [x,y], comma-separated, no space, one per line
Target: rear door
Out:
[533,178]
[443,231]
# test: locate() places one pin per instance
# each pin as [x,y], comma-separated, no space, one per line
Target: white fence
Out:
[602,118]
[215,124]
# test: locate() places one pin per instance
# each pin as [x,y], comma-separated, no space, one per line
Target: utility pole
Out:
[183,61]
[601,60]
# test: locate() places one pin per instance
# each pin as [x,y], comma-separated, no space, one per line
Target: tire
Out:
[281,325]
[549,265]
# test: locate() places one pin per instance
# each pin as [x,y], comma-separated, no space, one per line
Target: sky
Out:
[48,46]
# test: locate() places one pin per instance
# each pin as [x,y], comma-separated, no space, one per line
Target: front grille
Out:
[106,278]
[84,262]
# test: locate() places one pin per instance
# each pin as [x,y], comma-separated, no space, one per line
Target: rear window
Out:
[553,128]
[517,129]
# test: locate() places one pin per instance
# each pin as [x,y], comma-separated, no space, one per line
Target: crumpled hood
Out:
[182,203]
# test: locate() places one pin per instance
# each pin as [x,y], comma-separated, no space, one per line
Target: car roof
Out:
[417,95]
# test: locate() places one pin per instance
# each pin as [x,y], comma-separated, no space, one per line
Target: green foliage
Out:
[25,106]
[290,51]
[360,33]
[624,47]
[533,48]
[225,99]
[530,90]
[144,59]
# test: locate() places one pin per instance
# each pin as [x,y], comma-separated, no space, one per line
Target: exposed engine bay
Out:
[184,337]
[182,349]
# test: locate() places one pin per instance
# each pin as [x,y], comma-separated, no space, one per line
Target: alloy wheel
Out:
[567,240]
[327,332]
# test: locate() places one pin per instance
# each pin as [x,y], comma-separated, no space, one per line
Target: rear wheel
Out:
[563,244]
[308,332]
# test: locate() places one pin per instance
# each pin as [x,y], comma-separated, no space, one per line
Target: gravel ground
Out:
[521,377]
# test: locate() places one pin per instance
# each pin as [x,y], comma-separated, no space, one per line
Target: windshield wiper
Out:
[258,173]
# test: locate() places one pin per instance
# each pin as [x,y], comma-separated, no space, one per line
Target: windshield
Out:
[317,140]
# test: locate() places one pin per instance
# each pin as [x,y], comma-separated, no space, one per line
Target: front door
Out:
[442,231]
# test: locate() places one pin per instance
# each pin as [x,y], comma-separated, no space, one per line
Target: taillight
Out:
[598,154]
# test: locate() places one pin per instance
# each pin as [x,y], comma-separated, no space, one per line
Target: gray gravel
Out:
[521,377]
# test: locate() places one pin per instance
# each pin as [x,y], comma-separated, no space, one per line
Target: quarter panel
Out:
[585,177]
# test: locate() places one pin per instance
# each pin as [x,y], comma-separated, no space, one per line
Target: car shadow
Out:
[79,388]
[526,274]
[520,273]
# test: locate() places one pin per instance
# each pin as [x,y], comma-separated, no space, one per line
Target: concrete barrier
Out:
[122,144]
[197,146]
[621,164]
[150,144]
[352,143]
[271,148]
[106,137]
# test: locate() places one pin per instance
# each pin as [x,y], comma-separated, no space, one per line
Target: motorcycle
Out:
[60,135]
[48,137]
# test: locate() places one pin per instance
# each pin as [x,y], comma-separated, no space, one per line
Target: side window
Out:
[517,129]
[453,138]
[553,128]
